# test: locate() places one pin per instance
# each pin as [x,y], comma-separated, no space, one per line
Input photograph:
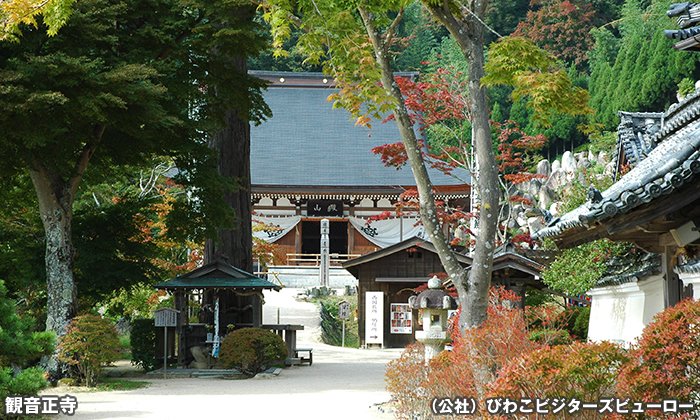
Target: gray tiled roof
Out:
[673,163]
[635,134]
[691,267]
[308,143]
[632,268]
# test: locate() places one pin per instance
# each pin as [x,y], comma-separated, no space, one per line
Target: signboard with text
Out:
[324,208]
[344,310]
[166,317]
[374,317]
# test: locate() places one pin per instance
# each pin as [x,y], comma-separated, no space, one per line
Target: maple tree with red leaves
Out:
[441,101]
[560,27]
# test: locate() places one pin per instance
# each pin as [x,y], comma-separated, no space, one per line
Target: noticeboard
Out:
[344,310]
[166,317]
[401,318]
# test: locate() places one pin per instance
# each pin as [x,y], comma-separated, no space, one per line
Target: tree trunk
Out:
[428,210]
[469,35]
[235,245]
[473,289]
[56,197]
[56,210]
[233,145]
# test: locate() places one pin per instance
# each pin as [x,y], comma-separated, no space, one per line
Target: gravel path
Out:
[341,384]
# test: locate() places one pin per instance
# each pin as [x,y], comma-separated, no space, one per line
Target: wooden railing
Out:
[271,276]
[315,259]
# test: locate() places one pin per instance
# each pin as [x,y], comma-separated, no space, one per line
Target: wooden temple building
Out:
[311,161]
[391,275]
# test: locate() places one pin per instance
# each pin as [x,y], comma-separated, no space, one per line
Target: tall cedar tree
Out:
[639,71]
[121,82]
[232,145]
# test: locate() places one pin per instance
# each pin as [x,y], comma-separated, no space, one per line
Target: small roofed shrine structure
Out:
[391,275]
[188,289]
[655,206]
[311,161]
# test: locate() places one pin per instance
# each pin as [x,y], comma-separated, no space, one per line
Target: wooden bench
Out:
[309,359]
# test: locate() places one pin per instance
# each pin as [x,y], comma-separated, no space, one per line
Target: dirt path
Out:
[341,384]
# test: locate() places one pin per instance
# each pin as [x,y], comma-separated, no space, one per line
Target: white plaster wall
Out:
[265,201]
[619,313]
[694,279]
[654,298]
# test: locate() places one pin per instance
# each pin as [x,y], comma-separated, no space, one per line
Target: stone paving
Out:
[342,383]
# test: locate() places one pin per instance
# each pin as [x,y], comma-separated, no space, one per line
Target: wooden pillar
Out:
[672,289]
[180,306]
[257,311]
[297,239]
[351,229]
[351,238]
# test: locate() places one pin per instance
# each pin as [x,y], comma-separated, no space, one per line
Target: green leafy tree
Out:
[89,342]
[536,76]
[19,348]
[14,13]
[359,37]
[122,82]
[355,41]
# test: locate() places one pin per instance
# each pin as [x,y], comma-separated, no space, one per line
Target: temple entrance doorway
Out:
[311,237]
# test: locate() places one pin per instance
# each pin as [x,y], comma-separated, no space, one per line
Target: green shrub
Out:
[580,329]
[686,87]
[19,348]
[251,350]
[143,343]
[89,342]
[550,336]
[332,324]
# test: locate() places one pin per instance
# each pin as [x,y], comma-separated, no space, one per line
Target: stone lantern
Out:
[435,303]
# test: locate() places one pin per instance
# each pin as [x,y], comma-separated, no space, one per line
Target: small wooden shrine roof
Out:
[414,242]
[505,262]
[217,275]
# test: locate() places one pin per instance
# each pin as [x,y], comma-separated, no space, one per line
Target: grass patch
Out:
[117,384]
[125,345]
